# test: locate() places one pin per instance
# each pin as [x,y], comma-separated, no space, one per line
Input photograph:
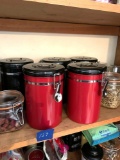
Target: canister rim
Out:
[87,68]
[59,60]
[43,69]
[84,58]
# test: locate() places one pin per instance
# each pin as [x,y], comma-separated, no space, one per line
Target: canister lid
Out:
[58,60]
[10,99]
[87,68]
[13,64]
[92,152]
[42,69]
[84,58]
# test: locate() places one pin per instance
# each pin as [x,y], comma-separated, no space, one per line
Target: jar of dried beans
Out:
[11,110]
[111,93]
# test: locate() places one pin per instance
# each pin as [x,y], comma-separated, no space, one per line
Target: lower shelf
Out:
[27,135]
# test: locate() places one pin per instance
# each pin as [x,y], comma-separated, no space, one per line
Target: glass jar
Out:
[113,68]
[11,110]
[111,149]
[111,93]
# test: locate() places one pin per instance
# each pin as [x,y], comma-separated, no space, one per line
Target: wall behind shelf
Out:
[39,45]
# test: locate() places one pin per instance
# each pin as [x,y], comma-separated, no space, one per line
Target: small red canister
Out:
[85,82]
[43,93]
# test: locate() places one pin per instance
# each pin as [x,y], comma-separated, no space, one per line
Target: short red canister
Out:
[43,93]
[85,83]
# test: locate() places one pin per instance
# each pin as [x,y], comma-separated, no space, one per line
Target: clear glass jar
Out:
[111,96]
[11,111]
[111,149]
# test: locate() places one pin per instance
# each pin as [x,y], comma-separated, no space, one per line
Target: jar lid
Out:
[112,76]
[10,99]
[92,152]
[59,60]
[42,69]
[13,64]
[87,68]
[113,144]
[83,58]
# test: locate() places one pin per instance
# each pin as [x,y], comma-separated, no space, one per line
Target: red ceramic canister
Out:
[85,83]
[43,93]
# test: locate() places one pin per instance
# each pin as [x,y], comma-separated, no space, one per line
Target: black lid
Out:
[92,152]
[87,68]
[59,60]
[83,58]
[13,64]
[42,69]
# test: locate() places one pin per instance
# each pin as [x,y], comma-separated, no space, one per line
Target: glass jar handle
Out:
[104,91]
[22,120]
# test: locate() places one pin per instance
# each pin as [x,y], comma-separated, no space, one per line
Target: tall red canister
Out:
[85,83]
[43,93]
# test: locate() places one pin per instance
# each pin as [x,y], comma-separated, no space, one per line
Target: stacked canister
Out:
[77,82]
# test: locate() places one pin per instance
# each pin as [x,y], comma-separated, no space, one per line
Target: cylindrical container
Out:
[91,152]
[43,92]
[11,73]
[34,152]
[111,96]
[11,110]
[73,141]
[85,83]
[83,59]
[64,62]
[111,149]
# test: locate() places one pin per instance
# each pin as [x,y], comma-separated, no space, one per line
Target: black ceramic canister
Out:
[11,73]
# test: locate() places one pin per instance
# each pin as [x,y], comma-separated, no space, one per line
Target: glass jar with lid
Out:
[111,149]
[111,93]
[11,110]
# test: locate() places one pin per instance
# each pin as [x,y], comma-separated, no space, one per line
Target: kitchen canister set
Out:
[77,82]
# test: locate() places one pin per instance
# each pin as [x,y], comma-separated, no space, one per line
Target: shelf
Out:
[26,136]
[74,11]
[61,16]
[76,155]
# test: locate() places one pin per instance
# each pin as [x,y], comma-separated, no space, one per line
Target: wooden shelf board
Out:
[74,11]
[56,27]
[27,135]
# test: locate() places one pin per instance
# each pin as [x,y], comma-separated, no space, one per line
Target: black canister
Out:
[11,73]
[63,61]
[73,141]
[91,152]
[83,59]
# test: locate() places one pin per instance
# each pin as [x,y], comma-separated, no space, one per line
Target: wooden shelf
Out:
[27,135]
[74,11]
[76,17]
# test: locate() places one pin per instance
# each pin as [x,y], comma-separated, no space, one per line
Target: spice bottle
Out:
[111,96]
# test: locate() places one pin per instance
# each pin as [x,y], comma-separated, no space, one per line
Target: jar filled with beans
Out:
[111,93]
[11,111]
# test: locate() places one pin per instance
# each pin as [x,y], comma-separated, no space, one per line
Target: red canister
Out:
[43,93]
[85,80]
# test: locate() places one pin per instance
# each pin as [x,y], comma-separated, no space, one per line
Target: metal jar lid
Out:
[12,65]
[92,152]
[10,99]
[84,58]
[87,68]
[42,69]
[58,60]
